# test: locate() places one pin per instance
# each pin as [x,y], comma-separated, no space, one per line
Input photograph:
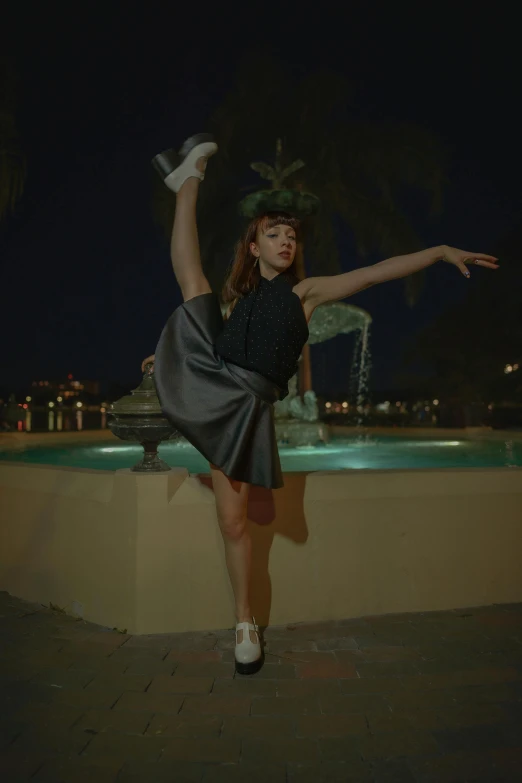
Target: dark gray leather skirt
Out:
[225,411]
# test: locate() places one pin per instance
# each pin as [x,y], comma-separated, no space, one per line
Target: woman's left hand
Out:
[461,257]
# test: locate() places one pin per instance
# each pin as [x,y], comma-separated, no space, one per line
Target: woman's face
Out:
[275,248]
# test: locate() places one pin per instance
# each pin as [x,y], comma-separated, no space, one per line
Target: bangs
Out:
[271,219]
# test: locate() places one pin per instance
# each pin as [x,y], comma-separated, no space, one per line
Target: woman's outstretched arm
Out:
[318,290]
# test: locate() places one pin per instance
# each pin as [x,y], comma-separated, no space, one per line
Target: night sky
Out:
[86,276]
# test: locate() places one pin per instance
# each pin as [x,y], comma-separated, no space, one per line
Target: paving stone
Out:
[338,643]
[202,750]
[150,667]
[132,722]
[456,679]
[209,669]
[486,694]
[123,682]
[391,771]
[86,698]
[64,770]
[477,738]
[151,702]
[315,726]
[161,772]
[98,664]
[245,773]
[164,684]
[196,643]
[340,748]
[394,744]
[126,655]
[195,656]
[396,721]
[282,646]
[35,714]
[278,751]
[472,715]
[386,654]
[155,641]
[282,705]
[372,685]
[273,671]
[190,726]
[217,704]
[353,702]
[20,765]
[89,649]
[258,726]
[456,768]
[390,669]
[51,740]
[415,700]
[248,686]
[316,687]
[118,748]
[353,770]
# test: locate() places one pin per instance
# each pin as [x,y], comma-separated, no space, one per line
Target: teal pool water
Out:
[340,454]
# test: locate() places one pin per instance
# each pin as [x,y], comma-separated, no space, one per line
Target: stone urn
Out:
[138,417]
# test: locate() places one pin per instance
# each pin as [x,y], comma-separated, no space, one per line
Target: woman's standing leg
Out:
[231,505]
[184,245]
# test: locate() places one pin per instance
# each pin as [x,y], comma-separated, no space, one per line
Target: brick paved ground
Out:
[399,698]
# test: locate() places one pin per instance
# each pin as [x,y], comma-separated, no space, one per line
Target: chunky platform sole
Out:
[250,668]
[169,164]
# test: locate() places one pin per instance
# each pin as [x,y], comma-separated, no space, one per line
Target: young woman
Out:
[217,379]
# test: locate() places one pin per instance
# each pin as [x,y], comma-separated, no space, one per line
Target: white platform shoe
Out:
[248,653]
[175,167]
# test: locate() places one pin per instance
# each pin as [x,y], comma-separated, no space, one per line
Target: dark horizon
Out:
[87,272]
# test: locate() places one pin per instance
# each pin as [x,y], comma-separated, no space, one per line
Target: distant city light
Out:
[328,405]
[51,404]
[25,405]
[79,404]
[508,368]
[435,402]
[398,404]
[102,410]
[59,399]
[28,399]
[345,404]
[426,407]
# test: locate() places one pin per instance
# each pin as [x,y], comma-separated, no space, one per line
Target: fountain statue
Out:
[297,419]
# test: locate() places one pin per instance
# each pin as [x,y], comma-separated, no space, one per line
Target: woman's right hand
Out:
[148,360]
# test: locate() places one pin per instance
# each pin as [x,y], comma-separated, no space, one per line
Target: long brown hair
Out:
[244,272]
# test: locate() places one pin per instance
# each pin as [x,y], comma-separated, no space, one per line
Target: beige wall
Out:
[144,552]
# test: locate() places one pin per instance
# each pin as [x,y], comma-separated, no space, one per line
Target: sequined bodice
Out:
[266,331]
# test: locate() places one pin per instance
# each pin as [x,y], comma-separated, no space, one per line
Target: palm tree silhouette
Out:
[356,167]
[12,160]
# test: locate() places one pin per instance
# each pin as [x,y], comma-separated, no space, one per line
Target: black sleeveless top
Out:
[266,331]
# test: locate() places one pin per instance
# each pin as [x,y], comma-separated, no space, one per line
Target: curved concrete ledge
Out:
[144,553]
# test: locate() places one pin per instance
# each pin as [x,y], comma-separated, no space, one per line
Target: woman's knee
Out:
[232,526]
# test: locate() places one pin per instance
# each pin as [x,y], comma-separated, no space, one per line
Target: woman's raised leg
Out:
[184,245]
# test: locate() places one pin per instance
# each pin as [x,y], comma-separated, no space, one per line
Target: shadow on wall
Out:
[270,513]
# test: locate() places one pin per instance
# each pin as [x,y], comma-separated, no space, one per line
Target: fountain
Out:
[297,418]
